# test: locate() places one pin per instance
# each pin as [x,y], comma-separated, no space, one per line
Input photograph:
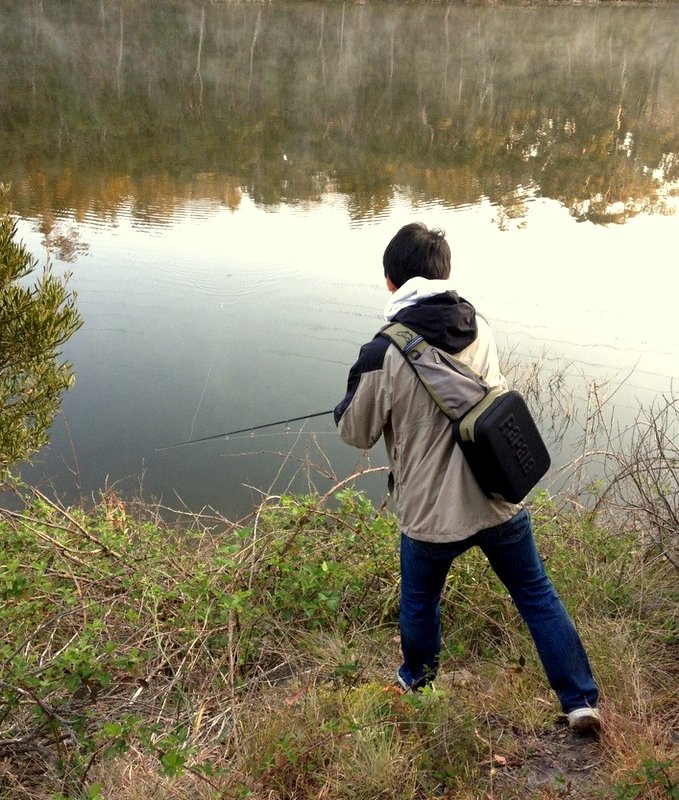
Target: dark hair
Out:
[416,251]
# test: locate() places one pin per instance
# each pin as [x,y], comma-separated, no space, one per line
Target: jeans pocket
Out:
[514,530]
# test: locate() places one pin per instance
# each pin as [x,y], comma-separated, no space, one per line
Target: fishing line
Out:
[200,402]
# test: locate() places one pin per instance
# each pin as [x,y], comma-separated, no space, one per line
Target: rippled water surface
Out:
[221,182]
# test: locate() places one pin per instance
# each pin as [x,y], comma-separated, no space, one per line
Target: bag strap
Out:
[412,345]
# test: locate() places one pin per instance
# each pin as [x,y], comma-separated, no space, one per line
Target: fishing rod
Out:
[244,430]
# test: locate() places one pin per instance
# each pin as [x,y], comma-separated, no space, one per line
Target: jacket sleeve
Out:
[366,408]
[486,360]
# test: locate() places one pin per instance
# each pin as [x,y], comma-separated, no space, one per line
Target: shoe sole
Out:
[586,725]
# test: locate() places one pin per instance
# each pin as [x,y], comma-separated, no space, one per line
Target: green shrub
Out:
[35,320]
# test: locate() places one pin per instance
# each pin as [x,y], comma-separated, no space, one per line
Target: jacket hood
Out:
[445,320]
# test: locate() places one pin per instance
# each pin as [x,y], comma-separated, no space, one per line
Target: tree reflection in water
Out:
[138,129]
[447,102]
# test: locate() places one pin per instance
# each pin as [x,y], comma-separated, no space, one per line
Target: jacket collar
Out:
[414,291]
[444,320]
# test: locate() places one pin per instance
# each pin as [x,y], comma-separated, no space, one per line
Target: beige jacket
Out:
[437,497]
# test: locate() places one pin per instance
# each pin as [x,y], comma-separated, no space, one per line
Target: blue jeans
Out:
[512,554]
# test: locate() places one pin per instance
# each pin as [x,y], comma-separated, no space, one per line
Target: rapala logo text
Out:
[517,441]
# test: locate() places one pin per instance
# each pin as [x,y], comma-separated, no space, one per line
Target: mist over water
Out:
[222,182]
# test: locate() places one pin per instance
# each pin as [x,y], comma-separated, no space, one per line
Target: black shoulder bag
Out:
[493,427]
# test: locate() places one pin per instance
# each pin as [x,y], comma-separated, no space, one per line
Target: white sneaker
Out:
[584,720]
[401,684]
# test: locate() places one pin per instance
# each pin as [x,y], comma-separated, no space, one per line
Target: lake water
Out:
[221,181]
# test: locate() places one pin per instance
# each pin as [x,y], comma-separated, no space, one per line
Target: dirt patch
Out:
[555,759]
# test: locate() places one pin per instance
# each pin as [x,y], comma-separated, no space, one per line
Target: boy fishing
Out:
[442,510]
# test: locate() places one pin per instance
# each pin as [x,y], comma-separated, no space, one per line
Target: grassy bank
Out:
[213,660]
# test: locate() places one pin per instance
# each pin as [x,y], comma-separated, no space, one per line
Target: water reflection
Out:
[222,179]
[287,103]
[185,338]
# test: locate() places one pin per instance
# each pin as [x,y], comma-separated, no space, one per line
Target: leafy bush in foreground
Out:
[141,660]
[34,322]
